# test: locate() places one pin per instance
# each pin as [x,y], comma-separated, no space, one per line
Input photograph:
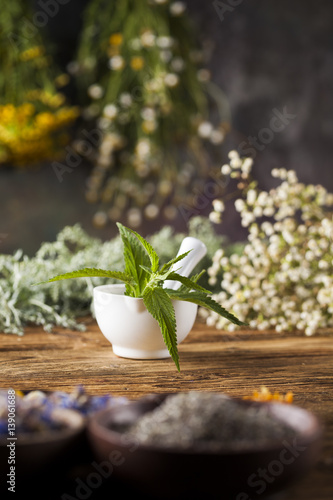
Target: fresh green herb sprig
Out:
[144,278]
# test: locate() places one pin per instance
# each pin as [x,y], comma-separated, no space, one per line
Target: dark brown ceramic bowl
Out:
[36,451]
[175,473]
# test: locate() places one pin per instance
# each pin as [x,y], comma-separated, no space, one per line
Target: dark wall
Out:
[268,57]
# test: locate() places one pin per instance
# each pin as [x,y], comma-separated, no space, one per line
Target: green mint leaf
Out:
[171,262]
[204,301]
[135,257]
[195,278]
[147,269]
[160,307]
[91,272]
[188,283]
[154,259]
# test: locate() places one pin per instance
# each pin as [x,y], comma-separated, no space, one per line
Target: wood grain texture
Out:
[210,360]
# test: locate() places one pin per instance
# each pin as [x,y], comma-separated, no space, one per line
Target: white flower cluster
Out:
[284,277]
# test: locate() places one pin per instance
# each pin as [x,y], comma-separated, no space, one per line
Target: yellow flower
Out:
[45,120]
[32,53]
[57,100]
[7,113]
[266,395]
[27,136]
[62,80]
[148,126]
[27,109]
[137,63]
[67,115]
[116,39]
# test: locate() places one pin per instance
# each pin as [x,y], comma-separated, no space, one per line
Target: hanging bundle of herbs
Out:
[34,116]
[141,74]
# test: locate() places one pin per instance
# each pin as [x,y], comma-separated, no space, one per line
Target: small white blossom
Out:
[205,129]
[148,39]
[251,196]
[247,165]
[164,42]
[143,148]
[233,154]
[125,99]
[215,217]
[218,205]
[148,114]
[177,8]
[171,80]
[177,64]
[240,205]
[116,62]
[110,111]
[235,163]
[226,169]
[216,137]
[95,91]
[166,56]
[151,211]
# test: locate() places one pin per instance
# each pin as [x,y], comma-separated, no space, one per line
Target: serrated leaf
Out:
[91,272]
[195,278]
[147,269]
[173,261]
[135,257]
[154,259]
[187,282]
[159,305]
[204,301]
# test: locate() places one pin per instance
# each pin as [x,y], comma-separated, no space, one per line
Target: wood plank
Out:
[210,360]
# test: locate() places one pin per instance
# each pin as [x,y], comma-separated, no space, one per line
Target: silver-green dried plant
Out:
[145,277]
[67,304]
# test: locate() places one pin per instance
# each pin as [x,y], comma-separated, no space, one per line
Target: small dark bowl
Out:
[240,474]
[38,451]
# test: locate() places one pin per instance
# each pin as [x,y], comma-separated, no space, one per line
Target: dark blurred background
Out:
[266,57]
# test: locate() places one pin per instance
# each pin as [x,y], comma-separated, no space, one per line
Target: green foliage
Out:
[147,283]
[158,303]
[93,273]
[203,300]
[136,259]
[64,303]
[171,262]
[155,262]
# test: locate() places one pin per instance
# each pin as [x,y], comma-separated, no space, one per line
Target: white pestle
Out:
[188,263]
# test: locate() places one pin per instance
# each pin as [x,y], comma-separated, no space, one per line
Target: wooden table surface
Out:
[210,360]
